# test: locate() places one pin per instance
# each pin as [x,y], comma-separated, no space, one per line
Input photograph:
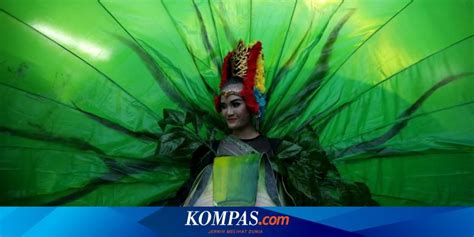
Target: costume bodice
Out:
[239,176]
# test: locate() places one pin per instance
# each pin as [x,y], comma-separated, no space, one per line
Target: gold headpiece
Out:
[240,60]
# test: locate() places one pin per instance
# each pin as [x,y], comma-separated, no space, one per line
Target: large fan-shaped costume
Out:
[238,172]
[104,102]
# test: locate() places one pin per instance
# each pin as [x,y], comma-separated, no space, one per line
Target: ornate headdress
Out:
[246,63]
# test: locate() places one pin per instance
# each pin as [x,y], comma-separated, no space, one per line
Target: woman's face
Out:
[233,108]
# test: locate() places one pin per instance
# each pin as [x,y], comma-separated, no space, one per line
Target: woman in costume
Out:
[243,156]
[237,170]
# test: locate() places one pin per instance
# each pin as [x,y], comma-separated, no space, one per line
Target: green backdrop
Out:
[102,102]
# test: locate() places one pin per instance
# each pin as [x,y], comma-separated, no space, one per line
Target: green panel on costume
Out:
[235,180]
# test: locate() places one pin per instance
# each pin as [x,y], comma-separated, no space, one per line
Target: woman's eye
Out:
[223,106]
[235,105]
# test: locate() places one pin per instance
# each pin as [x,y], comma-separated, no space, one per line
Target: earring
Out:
[257,122]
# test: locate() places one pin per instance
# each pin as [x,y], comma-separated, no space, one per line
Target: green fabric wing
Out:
[103,102]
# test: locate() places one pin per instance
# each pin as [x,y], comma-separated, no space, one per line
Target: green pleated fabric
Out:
[103,102]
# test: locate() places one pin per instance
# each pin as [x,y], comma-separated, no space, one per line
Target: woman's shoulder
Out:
[203,149]
[274,142]
[203,156]
[265,144]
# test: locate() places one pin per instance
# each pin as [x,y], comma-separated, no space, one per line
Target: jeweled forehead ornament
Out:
[227,93]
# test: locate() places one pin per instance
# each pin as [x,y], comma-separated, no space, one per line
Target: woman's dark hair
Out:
[232,80]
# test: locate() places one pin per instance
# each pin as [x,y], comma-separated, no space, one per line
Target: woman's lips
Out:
[231,120]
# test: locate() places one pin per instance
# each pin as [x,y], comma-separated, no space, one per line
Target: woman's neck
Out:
[247,132]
